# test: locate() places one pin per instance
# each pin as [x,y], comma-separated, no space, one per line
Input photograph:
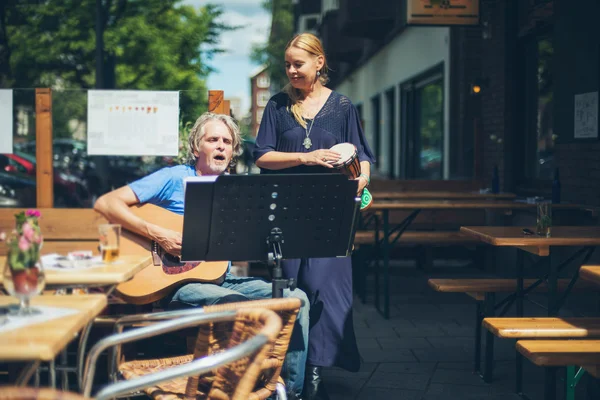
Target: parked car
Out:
[69,189]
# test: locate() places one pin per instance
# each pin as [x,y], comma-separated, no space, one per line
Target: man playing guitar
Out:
[213,144]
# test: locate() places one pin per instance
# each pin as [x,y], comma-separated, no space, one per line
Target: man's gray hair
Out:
[198,131]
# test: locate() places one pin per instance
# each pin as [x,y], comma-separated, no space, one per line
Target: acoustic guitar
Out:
[166,273]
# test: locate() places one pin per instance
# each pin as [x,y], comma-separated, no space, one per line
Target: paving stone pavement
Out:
[425,350]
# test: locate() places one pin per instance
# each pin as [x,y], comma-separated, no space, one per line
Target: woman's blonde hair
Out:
[199,129]
[311,44]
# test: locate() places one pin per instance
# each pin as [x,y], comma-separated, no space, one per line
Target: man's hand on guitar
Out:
[169,240]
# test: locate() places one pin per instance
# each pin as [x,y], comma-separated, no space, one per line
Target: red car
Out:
[70,191]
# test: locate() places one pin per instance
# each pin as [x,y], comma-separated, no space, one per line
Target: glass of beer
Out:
[110,236]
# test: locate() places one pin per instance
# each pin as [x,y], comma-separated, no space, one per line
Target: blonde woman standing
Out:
[299,126]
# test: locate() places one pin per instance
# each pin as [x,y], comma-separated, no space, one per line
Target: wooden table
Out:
[415,206]
[45,340]
[584,236]
[103,275]
[513,236]
[439,195]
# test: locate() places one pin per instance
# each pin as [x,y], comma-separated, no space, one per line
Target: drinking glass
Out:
[109,237]
[544,219]
[24,283]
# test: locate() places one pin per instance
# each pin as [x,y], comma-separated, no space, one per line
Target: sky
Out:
[234,67]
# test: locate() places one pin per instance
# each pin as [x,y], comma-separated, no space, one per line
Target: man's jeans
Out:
[240,289]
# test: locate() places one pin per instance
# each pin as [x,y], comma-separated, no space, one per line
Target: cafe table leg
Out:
[552,285]
[27,372]
[520,262]
[378,250]
[520,277]
[490,302]
[550,383]
[520,312]
[81,352]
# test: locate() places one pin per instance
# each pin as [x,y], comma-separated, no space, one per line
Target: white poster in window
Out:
[133,123]
[586,116]
[6,121]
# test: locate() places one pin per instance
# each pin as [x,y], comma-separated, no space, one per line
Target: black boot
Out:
[314,389]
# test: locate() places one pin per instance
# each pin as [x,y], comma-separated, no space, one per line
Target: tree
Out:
[282,28]
[148,44]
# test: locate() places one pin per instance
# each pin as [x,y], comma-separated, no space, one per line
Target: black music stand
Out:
[247,217]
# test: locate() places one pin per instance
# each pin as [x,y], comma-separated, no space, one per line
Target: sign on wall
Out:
[442,12]
[586,116]
[131,122]
[6,121]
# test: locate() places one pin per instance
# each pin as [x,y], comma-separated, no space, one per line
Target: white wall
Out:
[412,52]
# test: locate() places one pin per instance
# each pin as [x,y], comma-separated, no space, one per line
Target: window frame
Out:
[526,111]
[262,98]
[409,125]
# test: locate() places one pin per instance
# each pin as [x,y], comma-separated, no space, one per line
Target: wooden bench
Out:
[540,328]
[420,185]
[70,229]
[545,328]
[424,240]
[419,238]
[483,291]
[551,354]
[478,287]
[556,353]
[590,273]
[64,229]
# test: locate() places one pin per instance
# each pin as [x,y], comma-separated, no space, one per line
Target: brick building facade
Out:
[529,57]
[260,84]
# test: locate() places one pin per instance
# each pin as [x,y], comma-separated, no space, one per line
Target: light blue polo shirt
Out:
[164,188]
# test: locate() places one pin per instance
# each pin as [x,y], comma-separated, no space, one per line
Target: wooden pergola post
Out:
[216,101]
[43,148]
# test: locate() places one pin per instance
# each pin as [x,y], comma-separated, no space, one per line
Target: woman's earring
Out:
[318,73]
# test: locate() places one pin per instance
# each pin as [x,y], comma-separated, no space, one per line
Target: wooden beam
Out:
[227,107]
[216,103]
[43,150]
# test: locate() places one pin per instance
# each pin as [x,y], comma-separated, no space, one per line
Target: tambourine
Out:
[350,166]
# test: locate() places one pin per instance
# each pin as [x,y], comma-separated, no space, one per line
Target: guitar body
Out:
[167,274]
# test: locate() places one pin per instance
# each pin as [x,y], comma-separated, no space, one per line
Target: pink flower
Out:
[24,244]
[33,213]
[37,238]
[28,231]
[2,236]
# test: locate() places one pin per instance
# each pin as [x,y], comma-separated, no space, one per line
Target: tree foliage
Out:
[148,44]
[271,53]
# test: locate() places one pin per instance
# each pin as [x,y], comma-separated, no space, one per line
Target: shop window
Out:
[423,126]
[539,132]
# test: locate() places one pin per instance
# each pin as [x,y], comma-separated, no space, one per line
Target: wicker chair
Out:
[234,370]
[212,339]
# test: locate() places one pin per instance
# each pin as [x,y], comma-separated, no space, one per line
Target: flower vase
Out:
[24,284]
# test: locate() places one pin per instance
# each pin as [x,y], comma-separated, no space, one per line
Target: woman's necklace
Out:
[307,143]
